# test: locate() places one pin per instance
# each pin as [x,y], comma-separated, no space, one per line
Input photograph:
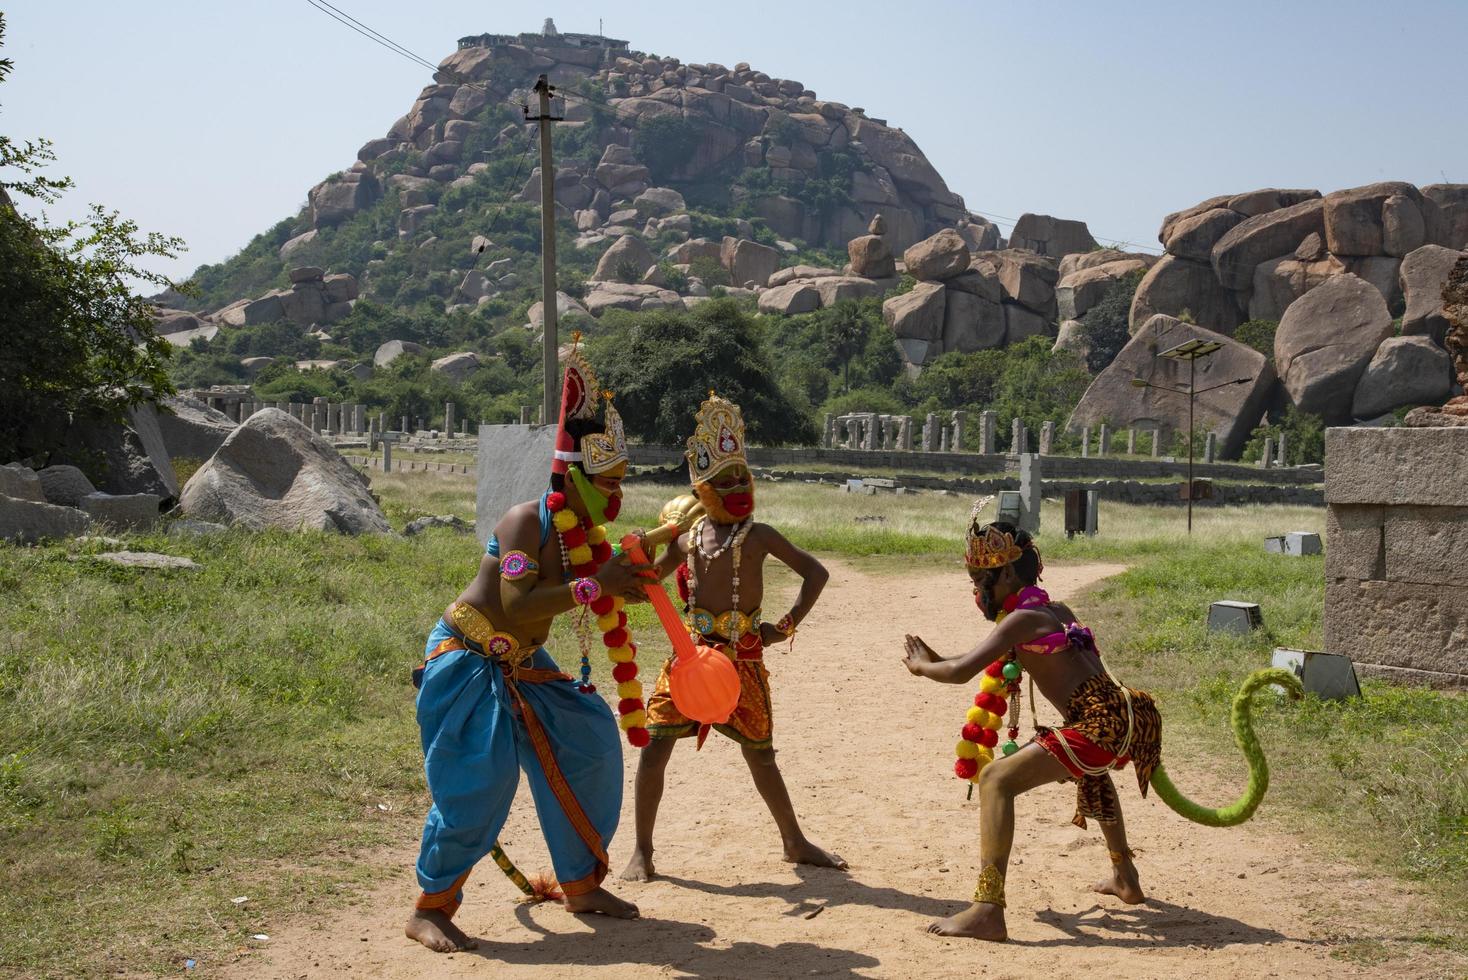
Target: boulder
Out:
[166,321]
[1024,276]
[684,253]
[835,289]
[297,243]
[794,272]
[1021,322]
[871,256]
[658,201]
[1262,237]
[122,512]
[1046,235]
[266,309]
[1354,216]
[1073,337]
[1402,227]
[1279,282]
[1232,411]
[1252,203]
[457,367]
[1311,248]
[1403,371]
[1325,341]
[191,429]
[567,310]
[917,314]
[980,235]
[1175,285]
[748,261]
[340,287]
[971,322]
[1102,256]
[1382,272]
[1423,274]
[149,560]
[1193,237]
[64,485]
[394,349]
[981,280]
[125,457]
[273,472]
[1452,204]
[23,483]
[306,273]
[254,365]
[304,304]
[939,257]
[625,261]
[26,521]
[337,199]
[1083,289]
[791,298]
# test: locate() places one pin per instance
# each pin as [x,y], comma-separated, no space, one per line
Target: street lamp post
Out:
[1191,351]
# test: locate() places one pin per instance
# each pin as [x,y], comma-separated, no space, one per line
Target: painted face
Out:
[989,588]
[598,497]
[728,497]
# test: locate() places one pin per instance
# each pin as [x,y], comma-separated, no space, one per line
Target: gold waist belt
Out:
[474,626]
[732,624]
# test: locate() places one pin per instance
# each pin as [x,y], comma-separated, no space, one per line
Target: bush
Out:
[1106,325]
[879,400]
[1304,438]
[1258,334]
[665,144]
[708,269]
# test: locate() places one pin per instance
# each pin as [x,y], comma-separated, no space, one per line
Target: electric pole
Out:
[550,313]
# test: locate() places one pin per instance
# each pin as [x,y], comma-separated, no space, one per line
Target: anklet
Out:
[1119,856]
[991,886]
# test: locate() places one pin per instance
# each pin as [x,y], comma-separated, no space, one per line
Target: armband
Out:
[585,591]
[516,565]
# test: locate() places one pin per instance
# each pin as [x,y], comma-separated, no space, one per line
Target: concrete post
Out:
[1210,447]
[930,433]
[318,418]
[1030,487]
[904,433]
[873,431]
[448,419]
[943,439]
[1268,457]
[463,428]
[1085,441]
[828,430]
[1156,441]
[1047,438]
[1103,446]
[1280,452]
[1015,427]
[359,418]
[1131,441]
[960,422]
[987,422]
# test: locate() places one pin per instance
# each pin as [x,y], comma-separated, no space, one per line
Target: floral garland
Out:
[584,549]
[981,729]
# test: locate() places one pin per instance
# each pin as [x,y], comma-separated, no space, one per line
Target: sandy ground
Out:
[866,750]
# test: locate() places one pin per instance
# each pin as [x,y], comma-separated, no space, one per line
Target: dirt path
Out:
[866,750]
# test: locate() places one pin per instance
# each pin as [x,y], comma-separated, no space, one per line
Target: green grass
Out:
[171,740]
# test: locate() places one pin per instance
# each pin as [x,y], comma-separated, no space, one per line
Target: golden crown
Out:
[717,441]
[601,451]
[989,547]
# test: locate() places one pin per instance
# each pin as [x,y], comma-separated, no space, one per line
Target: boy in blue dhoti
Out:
[491,700]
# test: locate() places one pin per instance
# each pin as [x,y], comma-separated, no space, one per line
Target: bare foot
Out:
[437,931]
[639,868]
[804,852]
[603,902]
[978,921]
[1124,883]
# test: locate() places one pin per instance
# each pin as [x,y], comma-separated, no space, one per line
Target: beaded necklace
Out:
[734,541]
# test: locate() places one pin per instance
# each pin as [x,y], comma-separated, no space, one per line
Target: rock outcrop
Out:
[1325,341]
[1403,371]
[273,472]
[191,429]
[394,349]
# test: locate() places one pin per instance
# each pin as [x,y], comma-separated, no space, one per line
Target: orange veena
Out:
[702,681]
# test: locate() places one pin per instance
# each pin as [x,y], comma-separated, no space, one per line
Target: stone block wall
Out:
[1396,560]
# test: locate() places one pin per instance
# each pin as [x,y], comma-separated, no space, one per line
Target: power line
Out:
[377,34]
[369,34]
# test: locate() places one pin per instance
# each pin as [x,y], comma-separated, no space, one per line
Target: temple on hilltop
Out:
[548,37]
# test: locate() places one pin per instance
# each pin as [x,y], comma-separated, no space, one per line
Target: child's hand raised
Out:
[918,655]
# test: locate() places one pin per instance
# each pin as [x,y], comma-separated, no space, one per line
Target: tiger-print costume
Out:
[1097,711]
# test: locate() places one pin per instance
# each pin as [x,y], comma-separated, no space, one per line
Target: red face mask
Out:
[739,505]
[614,506]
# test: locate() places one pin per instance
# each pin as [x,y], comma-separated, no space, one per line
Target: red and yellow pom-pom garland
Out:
[998,694]
[584,549]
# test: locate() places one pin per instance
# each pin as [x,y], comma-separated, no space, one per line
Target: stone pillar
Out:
[930,433]
[987,422]
[387,455]
[422,425]
[1157,431]
[448,419]
[1047,438]
[1103,446]
[1279,457]
[381,422]
[1268,457]
[943,439]
[1015,428]
[1085,441]
[828,430]
[1030,486]
[904,433]
[874,431]
[1131,441]
[359,419]
[403,425]
[1210,447]
[463,428]
[318,418]
[960,421]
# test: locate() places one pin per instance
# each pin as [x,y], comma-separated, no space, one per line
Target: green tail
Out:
[511,872]
[1243,725]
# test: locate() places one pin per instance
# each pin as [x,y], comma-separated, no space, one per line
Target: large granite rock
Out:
[1046,235]
[191,429]
[1073,337]
[625,261]
[1083,289]
[456,367]
[1021,322]
[121,512]
[1194,236]
[273,472]
[65,486]
[1175,285]
[338,198]
[1403,371]
[971,322]
[939,257]
[1232,411]
[567,312]
[1024,276]
[394,349]
[1452,205]
[748,262]
[1262,237]
[126,457]
[22,483]
[1354,222]
[871,256]
[1279,282]
[918,313]
[29,521]
[1423,274]
[790,299]
[1324,342]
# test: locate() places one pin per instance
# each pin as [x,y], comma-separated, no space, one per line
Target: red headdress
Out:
[596,452]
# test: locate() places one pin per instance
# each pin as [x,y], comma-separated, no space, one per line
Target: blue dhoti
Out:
[481,723]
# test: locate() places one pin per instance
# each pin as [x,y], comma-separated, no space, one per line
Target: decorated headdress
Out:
[989,547]
[597,452]
[717,441]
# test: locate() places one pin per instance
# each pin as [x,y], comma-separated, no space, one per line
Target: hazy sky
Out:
[210,120]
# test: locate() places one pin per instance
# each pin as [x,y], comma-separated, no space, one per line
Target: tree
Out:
[665,144]
[80,342]
[1106,323]
[662,366]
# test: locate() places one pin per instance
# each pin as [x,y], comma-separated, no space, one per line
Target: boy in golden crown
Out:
[720,570]
[1106,725]
[492,702]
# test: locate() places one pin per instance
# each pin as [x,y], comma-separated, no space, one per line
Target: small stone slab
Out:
[147,559]
[1230,616]
[1302,543]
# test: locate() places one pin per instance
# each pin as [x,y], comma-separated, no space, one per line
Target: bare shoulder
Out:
[517,519]
[1066,614]
[1024,625]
